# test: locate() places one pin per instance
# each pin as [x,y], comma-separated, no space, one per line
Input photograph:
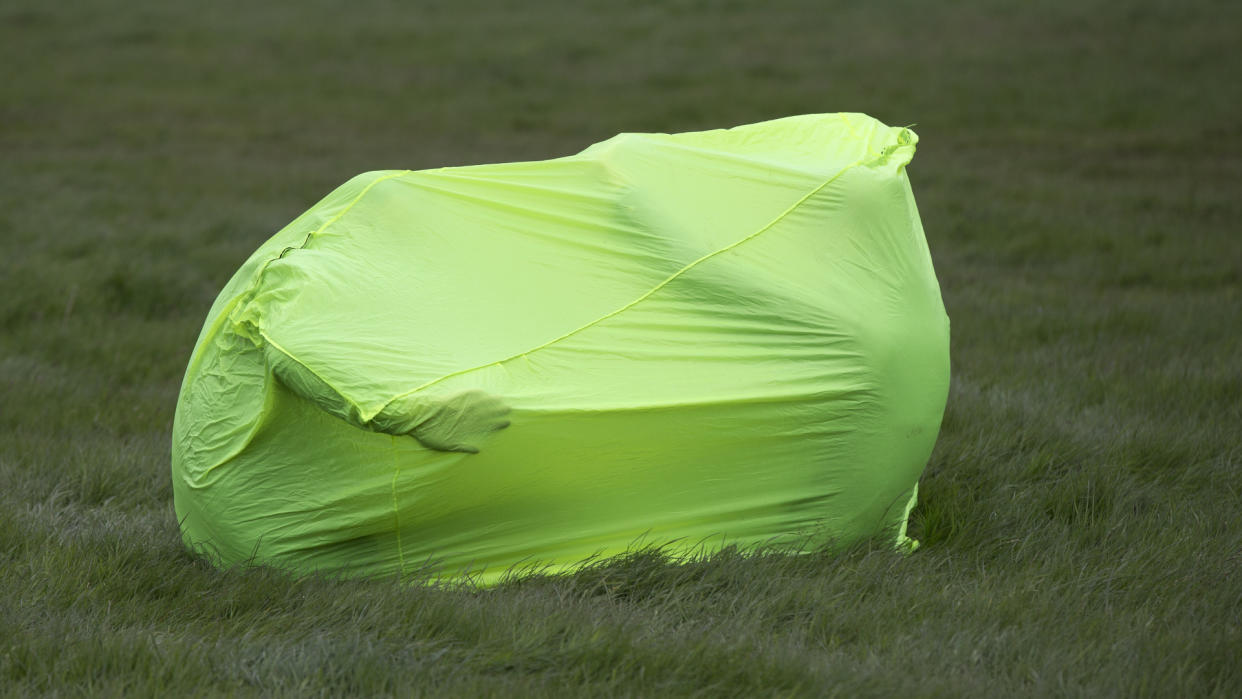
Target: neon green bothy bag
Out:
[729,337]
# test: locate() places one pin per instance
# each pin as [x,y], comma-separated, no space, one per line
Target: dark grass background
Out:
[1078,176]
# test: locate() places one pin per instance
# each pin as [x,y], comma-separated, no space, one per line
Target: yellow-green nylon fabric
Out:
[698,339]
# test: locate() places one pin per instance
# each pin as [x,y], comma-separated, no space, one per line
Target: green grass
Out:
[1078,176]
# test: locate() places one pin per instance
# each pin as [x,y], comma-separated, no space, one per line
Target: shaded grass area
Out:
[1078,177]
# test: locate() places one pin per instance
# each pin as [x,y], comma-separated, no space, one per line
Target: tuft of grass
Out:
[1078,174]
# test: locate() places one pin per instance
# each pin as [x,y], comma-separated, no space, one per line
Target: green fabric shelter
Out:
[729,337]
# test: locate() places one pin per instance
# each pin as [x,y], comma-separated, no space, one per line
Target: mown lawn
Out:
[1079,177]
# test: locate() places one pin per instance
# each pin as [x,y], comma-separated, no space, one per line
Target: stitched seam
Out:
[334,219]
[631,304]
[344,399]
[244,299]
[396,511]
[866,142]
[258,278]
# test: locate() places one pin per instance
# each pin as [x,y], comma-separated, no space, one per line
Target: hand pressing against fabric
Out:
[461,422]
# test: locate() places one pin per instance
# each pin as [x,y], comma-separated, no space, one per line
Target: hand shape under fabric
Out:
[461,422]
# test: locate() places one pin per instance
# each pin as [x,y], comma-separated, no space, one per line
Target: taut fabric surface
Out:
[698,339]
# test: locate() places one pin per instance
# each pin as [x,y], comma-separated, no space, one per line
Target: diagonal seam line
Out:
[258,278]
[241,300]
[334,219]
[631,304]
[244,299]
[850,125]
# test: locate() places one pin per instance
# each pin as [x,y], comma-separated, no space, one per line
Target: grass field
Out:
[1079,177]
